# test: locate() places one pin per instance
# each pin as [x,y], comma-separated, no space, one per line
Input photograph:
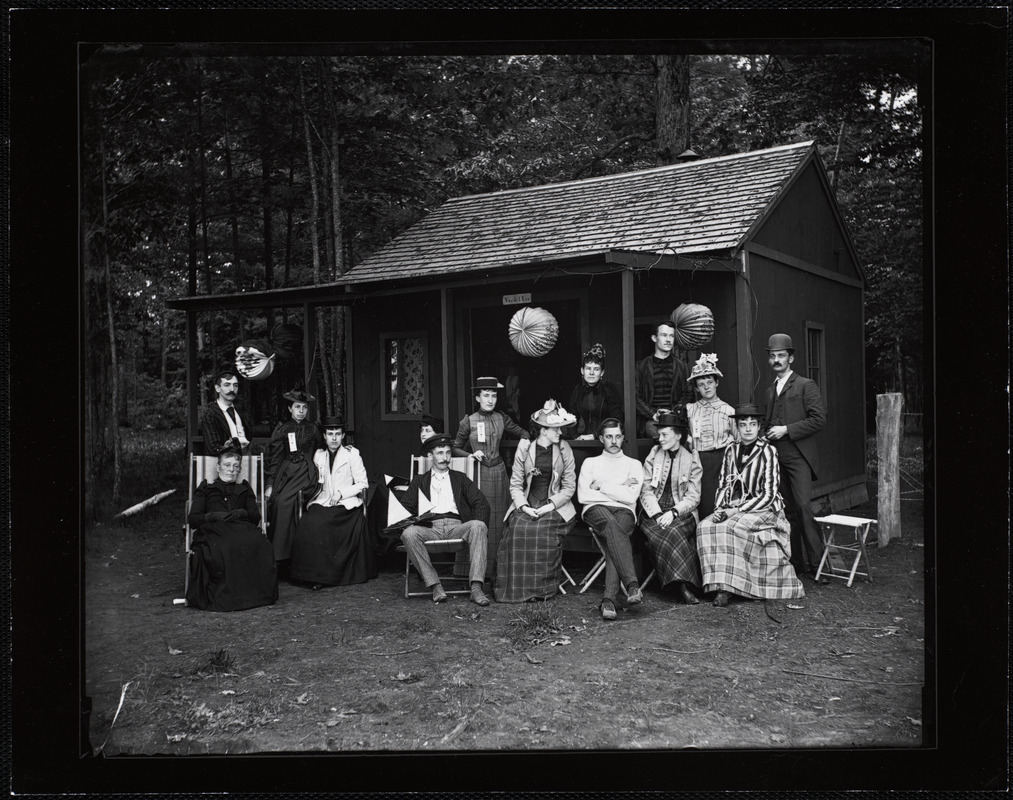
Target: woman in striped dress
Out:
[542,484]
[711,427]
[479,436]
[669,496]
[745,545]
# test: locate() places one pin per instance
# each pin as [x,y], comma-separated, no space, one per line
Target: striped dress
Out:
[482,431]
[672,481]
[748,553]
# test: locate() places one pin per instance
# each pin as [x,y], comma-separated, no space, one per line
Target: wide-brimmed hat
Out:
[706,365]
[335,421]
[436,440]
[747,410]
[433,422]
[486,383]
[673,419]
[298,394]
[780,341]
[553,415]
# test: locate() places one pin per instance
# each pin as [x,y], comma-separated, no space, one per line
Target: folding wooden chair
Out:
[853,549]
[205,468]
[600,565]
[420,465]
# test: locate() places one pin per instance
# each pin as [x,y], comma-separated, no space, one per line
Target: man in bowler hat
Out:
[794,414]
[220,422]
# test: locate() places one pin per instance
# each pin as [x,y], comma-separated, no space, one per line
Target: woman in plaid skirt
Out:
[744,545]
[479,436]
[669,497]
[542,484]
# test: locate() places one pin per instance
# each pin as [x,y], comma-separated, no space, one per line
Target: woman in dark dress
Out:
[594,398]
[542,513]
[331,545]
[290,471]
[232,563]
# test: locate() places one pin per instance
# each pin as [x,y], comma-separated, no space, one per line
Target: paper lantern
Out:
[287,340]
[694,326]
[254,360]
[533,332]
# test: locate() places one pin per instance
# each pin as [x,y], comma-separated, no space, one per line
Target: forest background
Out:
[206,174]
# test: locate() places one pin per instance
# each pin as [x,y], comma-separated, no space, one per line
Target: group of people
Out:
[712,499]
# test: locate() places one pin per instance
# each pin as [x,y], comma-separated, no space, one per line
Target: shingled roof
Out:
[695,207]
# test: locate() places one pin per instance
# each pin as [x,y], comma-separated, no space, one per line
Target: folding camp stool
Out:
[599,567]
[853,549]
[433,547]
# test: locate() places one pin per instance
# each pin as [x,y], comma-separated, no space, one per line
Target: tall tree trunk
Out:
[203,181]
[114,400]
[672,117]
[163,343]
[314,239]
[337,340]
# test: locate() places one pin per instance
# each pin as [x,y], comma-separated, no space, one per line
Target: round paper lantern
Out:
[287,340]
[694,325]
[533,332]
[254,360]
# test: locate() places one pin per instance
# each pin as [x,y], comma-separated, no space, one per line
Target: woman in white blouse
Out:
[711,426]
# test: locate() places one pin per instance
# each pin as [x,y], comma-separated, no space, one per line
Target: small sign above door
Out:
[516,299]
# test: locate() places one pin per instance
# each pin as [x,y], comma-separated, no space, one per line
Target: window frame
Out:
[385,337]
[821,355]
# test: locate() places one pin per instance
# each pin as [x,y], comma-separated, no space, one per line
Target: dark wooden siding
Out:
[787,298]
[803,225]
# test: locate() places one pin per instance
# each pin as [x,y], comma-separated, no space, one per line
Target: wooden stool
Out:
[853,549]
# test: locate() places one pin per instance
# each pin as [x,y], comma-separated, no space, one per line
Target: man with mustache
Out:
[221,424]
[458,511]
[794,413]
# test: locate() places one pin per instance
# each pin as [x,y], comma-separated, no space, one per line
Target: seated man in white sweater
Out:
[608,488]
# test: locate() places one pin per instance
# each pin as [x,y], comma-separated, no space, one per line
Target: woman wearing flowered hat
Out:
[479,436]
[669,496]
[710,425]
[594,398]
[289,469]
[542,484]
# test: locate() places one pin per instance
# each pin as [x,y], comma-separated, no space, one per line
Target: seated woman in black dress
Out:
[232,566]
[331,545]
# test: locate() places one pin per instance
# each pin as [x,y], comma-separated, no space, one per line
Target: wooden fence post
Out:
[888,430]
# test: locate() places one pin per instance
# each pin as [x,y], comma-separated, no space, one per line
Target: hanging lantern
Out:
[287,340]
[694,326]
[533,332]
[254,360]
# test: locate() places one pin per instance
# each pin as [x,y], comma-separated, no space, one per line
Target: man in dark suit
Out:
[456,510]
[220,422]
[794,414]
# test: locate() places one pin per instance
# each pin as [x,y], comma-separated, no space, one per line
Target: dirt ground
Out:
[360,668]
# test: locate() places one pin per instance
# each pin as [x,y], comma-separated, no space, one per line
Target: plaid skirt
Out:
[748,555]
[529,558]
[673,549]
[496,488]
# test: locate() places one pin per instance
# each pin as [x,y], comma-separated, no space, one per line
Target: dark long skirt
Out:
[332,547]
[529,558]
[282,509]
[673,549]
[710,461]
[495,485]
[232,568]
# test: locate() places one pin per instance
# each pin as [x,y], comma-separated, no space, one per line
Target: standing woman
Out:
[331,545]
[542,484]
[290,470]
[479,436]
[594,398]
[711,426]
[670,494]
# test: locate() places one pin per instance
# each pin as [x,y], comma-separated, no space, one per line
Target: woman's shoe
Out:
[687,595]
[721,599]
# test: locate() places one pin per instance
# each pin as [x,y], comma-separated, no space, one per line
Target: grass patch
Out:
[532,623]
[218,664]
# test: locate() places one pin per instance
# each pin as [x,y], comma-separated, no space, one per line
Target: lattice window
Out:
[405,374]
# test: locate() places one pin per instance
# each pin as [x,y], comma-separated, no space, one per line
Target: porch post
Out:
[446,327]
[192,379]
[744,333]
[629,378]
[309,338]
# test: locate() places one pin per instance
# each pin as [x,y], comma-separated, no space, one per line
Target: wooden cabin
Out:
[756,237]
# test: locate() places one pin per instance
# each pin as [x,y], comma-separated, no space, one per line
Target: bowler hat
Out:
[486,383]
[436,440]
[780,341]
[747,410]
[673,419]
[335,421]
[433,422]
[226,369]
